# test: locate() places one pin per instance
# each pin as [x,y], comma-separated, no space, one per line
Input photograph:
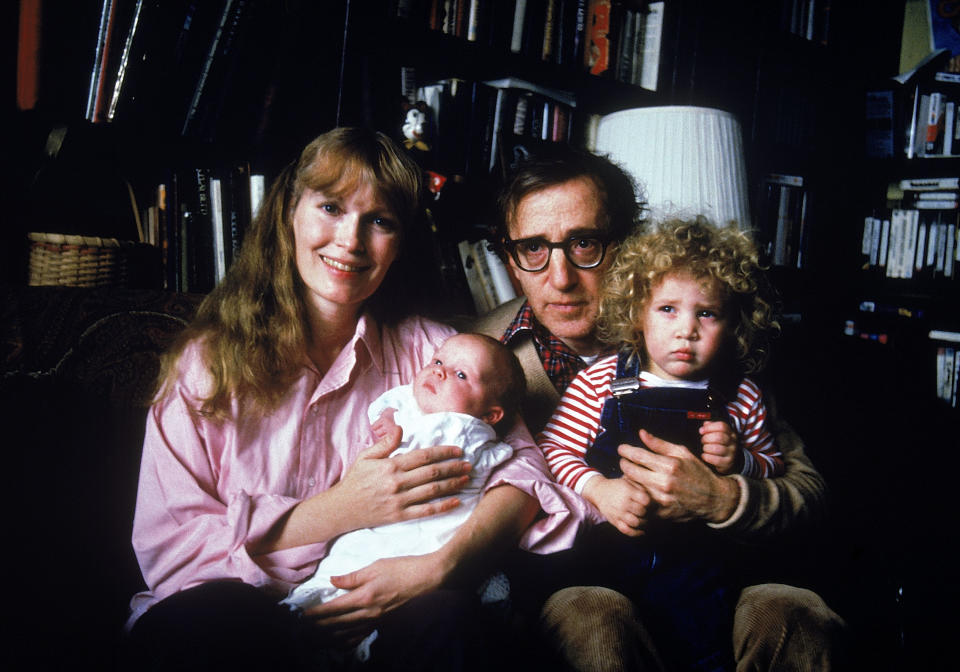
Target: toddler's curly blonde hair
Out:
[723,256]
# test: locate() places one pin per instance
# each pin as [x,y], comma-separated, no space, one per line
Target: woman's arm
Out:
[501,516]
[376,490]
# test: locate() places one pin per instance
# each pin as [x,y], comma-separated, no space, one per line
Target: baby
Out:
[472,386]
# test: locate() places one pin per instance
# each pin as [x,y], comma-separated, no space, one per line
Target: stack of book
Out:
[934,127]
[948,365]
[474,123]
[783,222]
[610,38]
[917,235]
[487,276]
[198,219]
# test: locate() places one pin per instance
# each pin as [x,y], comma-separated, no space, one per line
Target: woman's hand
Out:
[622,502]
[379,489]
[375,591]
[721,447]
[681,485]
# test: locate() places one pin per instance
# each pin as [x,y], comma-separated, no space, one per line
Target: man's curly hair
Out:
[724,256]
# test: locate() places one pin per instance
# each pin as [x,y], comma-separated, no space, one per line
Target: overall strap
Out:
[627,365]
[628,370]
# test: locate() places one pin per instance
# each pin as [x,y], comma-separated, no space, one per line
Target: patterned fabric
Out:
[560,362]
[576,422]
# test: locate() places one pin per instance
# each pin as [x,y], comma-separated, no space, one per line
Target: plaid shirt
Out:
[560,362]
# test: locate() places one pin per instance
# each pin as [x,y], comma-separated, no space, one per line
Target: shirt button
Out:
[312,482]
[315,409]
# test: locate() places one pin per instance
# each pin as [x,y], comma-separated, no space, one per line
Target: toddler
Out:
[686,306]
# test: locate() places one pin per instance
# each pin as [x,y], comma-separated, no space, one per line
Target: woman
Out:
[257,451]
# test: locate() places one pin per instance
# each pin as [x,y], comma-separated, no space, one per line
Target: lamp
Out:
[687,160]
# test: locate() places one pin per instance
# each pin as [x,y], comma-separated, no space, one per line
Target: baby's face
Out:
[457,378]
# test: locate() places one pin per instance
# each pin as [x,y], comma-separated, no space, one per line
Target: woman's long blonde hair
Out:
[725,256]
[253,325]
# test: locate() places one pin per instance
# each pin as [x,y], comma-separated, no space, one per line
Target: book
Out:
[98,72]
[217,71]
[196,224]
[482,301]
[257,189]
[597,47]
[880,123]
[551,26]
[578,38]
[652,44]
[519,19]
[930,184]
[237,208]
[217,231]
[127,60]
[503,289]
[783,227]
[943,335]
[29,44]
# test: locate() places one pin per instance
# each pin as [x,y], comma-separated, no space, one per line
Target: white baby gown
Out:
[359,548]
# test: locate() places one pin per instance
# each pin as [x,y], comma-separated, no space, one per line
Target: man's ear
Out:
[493,415]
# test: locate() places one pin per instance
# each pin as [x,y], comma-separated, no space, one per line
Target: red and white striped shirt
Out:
[576,421]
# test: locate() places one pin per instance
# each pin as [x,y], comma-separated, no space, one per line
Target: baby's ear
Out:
[493,415]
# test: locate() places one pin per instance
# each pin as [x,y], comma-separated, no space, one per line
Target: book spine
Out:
[194,106]
[94,112]
[519,18]
[652,41]
[217,231]
[597,47]
[550,24]
[124,62]
[933,143]
[471,271]
[29,47]
[503,289]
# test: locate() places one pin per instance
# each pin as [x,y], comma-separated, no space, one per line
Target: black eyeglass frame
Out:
[510,246]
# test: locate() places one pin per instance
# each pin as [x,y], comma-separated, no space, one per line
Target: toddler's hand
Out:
[721,449]
[384,423]
[620,501]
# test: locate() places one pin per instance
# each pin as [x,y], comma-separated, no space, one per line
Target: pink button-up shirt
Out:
[210,490]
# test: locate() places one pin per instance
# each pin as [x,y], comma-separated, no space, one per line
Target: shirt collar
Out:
[524,321]
[368,334]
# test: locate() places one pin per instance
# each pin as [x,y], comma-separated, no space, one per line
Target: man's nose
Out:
[561,272]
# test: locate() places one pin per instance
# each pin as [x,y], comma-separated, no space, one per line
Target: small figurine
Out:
[416,126]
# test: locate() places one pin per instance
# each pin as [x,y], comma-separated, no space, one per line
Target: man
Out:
[562,217]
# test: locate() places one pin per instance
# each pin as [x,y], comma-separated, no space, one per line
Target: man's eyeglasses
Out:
[533,254]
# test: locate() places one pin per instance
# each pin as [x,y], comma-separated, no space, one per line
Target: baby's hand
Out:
[721,449]
[621,502]
[384,423]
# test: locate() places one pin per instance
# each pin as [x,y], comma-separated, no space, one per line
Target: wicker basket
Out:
[78,261]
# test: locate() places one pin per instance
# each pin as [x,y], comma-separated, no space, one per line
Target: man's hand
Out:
[682,486]
[621,502]
[375,590]
[721,448]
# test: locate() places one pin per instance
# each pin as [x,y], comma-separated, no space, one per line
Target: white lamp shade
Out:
[687,160]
